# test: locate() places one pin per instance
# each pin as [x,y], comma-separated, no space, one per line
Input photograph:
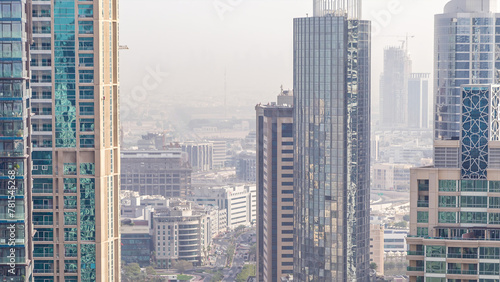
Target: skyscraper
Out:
[74,62]
[16,229]
[466,52]
[274,191]
[394,88]
[455,204]
[332,143]
[418,100]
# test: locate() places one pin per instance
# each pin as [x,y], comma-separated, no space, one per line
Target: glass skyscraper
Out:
[332,139]
[16,231]
[74,63]
[466,52]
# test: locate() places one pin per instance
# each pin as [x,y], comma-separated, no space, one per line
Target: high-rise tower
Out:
[394,88]
[465,52]
[332,143]
[74,62]
[455,204]
[16,229]
[274,191]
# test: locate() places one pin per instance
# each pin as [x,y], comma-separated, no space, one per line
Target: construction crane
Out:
[405,43]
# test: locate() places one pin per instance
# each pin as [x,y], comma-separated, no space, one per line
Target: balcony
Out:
[415,253]
[44,239]
[43,206]
[43,254]
[454,271]
[42,190]
[43,270]
[423,204]
[43,222]
[415,268]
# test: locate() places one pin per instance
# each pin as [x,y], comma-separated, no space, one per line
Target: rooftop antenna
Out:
[348,8]
[225,93]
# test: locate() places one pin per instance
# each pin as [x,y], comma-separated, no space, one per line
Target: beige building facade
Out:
[377,247]
[274,192]
[76,156]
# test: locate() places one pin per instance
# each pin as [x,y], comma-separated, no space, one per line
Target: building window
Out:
[422,217]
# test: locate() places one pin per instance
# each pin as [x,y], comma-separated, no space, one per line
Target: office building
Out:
[418,100]
[332,143]
[246,166]
[219,152]
[181,231]
[394,88]
[136,242]
[75,138]
[471,58]
[200,155]
[237,201]
[16,229]
[164,173]
[394,177]
[395,241]
[275,191]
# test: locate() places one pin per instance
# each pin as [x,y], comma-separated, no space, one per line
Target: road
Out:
[242,246]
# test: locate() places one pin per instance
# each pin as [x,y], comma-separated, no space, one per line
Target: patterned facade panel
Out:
[475,131]
[495,114]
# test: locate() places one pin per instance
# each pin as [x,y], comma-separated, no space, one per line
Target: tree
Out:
[150,271]
[182,265]
[406,217]
[132,273]
[373,266]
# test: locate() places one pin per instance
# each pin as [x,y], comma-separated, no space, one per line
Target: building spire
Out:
[349,8]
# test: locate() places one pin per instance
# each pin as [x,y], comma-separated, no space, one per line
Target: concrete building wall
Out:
[275,192]
[377,247]
[162,173]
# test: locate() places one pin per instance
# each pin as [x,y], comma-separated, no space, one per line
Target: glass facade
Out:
[15,164]
[466,45]
[332,125]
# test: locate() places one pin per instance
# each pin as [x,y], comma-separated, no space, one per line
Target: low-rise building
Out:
[246,167]
[391,177]
[181,231]
[239,202]
[219,152]
[200,155]
[395,241]
[136,242]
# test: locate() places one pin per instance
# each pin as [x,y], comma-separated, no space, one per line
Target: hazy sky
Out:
[196,41]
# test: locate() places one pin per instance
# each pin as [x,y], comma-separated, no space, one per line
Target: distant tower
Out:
[332,144]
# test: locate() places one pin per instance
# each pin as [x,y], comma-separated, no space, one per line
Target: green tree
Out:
[182,265]
[133,273]
[373,266]
[248,270]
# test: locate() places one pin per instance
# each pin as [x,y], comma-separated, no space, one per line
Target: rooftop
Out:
[471,6]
